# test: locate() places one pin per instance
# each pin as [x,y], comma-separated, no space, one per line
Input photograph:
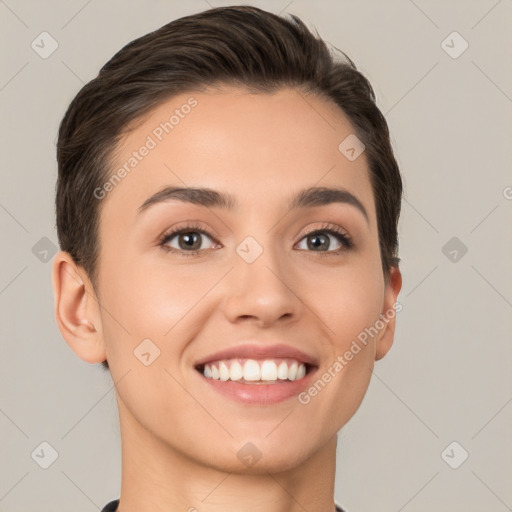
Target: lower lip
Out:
[261,394]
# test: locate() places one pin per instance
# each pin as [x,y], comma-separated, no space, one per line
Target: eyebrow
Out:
[307,198]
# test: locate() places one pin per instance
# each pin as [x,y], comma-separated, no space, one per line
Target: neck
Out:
[158,478]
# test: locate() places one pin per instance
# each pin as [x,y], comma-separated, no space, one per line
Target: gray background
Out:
[448,376]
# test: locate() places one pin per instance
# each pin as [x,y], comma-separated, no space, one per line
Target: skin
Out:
[180,438]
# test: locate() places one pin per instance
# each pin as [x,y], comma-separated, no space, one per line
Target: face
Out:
[249,288]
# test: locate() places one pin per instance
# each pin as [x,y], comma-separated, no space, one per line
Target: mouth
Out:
[258,375]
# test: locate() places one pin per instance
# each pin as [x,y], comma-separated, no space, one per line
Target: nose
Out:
[263,292]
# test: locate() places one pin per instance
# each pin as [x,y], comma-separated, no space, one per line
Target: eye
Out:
[319,240]
[186,240]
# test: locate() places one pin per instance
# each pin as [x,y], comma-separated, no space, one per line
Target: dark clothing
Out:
[112,507]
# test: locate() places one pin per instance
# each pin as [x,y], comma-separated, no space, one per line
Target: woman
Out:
[227,209]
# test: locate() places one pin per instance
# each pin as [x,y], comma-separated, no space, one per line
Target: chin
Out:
[259,456]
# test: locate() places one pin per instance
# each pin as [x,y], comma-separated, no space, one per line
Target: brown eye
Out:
[188,239]
[320,241]
[184,240]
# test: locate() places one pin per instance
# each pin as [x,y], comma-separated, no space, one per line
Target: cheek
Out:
[347,302]
[147,299]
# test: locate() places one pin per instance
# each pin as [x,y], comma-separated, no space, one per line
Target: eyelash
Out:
[331,229]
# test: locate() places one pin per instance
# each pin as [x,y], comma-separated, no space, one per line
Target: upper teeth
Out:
[253,370]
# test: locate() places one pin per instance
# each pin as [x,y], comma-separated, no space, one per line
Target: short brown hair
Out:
[241,46]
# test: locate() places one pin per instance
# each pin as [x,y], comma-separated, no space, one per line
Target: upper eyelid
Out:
[192,227]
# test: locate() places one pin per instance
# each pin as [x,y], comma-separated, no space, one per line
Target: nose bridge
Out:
[259,282]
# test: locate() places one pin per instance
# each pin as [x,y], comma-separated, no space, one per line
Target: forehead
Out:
[257,147]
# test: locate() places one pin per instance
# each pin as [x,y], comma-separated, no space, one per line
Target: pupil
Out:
[324,241]
[190,239]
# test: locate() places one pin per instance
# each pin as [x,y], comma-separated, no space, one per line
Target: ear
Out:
[393,287]
[76,309]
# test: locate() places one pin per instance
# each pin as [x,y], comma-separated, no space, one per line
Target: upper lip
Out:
[256,351]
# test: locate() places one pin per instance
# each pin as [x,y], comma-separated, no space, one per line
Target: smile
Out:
[253,371]
[257,382]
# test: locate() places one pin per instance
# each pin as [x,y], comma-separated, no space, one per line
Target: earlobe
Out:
[76,309]
[389,313]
